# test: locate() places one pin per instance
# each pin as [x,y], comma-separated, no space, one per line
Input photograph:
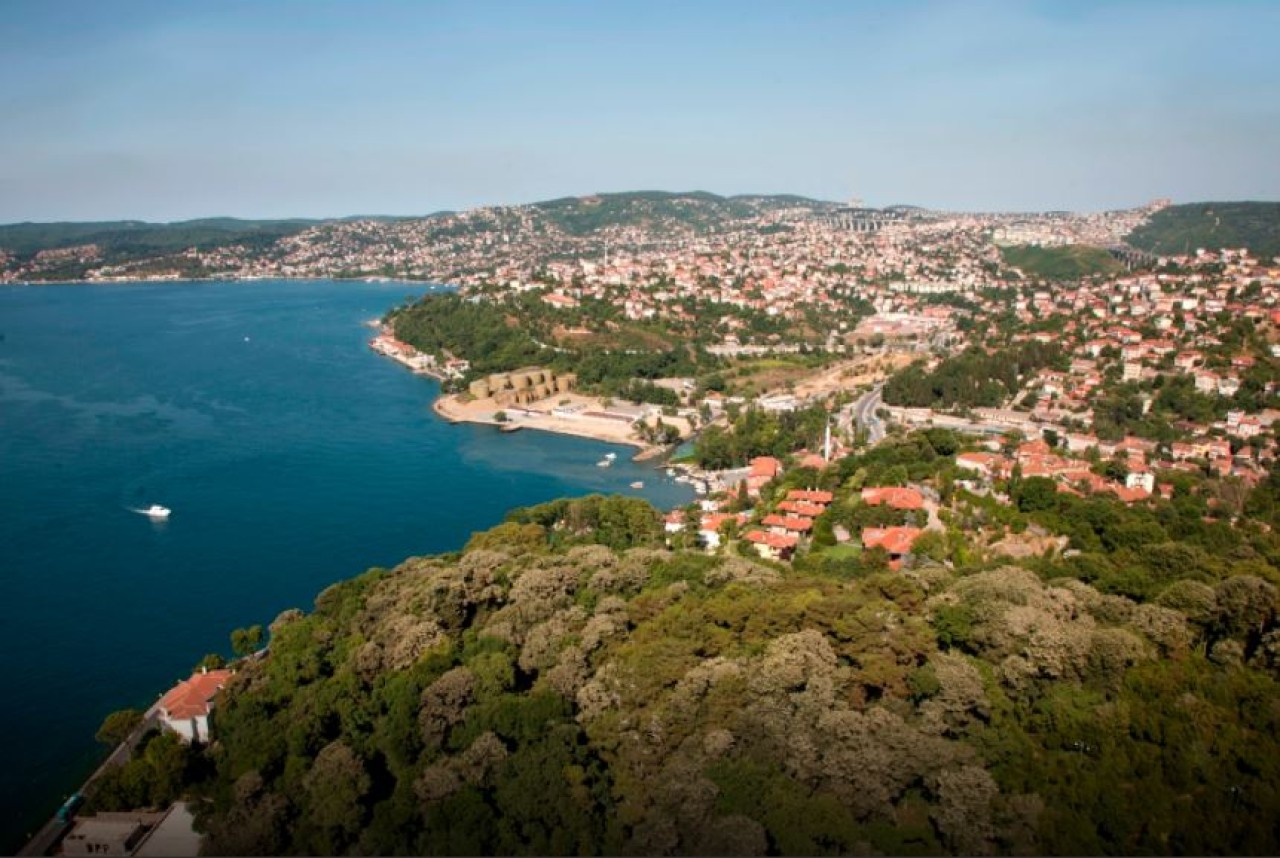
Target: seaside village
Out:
[1136,334]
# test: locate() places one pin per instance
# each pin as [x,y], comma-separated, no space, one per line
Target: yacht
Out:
[638,484]
[604,463]
[156,511]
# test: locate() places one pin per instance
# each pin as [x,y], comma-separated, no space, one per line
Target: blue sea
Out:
[291,455]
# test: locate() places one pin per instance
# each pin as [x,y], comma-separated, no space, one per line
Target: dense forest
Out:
[1184,228]
[491,336]
[761,433]
[501,336]
[567,685]
[973,378]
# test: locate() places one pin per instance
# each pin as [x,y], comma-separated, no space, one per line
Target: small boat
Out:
[638,484]
[156,511]
[604,463]
[671,472]
[611,456]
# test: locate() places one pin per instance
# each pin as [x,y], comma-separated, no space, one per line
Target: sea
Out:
[291,455]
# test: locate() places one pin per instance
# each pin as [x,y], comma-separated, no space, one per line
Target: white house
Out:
[185,708]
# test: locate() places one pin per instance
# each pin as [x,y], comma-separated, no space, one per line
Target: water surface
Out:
[291,455]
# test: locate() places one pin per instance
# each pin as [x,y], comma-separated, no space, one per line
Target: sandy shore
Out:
[538,416]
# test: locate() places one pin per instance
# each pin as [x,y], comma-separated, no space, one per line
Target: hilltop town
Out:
[652,318]
[1108,382]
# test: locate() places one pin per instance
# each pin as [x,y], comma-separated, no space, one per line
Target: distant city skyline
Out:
[166,111]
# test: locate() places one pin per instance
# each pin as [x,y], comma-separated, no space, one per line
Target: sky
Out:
[170,110]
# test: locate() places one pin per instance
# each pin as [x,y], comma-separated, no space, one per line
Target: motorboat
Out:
[638,484]
[156,511]
[604,463]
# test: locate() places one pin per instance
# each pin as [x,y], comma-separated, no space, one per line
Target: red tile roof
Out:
[773,540]
[812,510]
[789,522]
[190,698]
[895,540]
[810,495]
[898,498]
[765,466]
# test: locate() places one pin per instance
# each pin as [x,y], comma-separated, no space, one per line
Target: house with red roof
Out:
[185,708]
[810,495]
[811,510]
[896,541]
[898,498]
[763,469]
[710,525]
[788,523]
[772,546]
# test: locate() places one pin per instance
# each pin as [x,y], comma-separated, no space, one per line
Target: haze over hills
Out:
[585,226]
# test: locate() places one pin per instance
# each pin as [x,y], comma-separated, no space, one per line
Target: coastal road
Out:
[55,829]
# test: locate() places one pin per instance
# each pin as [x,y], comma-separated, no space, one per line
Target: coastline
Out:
[449,408]
[250,278]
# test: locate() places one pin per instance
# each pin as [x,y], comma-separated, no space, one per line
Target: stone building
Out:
[522,386]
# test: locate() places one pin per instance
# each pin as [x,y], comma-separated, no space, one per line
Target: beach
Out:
[568,414]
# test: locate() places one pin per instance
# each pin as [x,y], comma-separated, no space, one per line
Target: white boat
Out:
[611,456]
[637,485]
[604,463]
[156,511]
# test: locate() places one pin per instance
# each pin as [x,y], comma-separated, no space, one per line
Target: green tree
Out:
[246,641]
[211,661]
[117,726]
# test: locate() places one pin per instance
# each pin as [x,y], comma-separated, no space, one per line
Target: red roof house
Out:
[898,498]
[185,708]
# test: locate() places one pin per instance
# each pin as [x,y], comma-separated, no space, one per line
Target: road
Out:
[863,412]
[55,829]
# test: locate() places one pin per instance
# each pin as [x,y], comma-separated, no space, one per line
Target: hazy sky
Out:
[169,110]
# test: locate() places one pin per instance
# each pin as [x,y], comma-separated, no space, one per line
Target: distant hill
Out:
[699,210]
[1213,226]
[131,238]
[1060,263]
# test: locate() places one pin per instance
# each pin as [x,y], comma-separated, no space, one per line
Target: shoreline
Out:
[576,414]
[250,279]
[448,408]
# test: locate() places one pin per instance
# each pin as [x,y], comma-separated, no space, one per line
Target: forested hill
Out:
[567,685]
[125,237]
[1183,228]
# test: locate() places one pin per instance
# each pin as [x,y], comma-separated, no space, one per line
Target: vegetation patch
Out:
[1212,226]
[1071,262]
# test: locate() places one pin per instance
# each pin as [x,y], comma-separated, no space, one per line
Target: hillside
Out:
[566,685]
[656,210]
[1213,226]
[1060,263]
[57,251]
[129,236]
